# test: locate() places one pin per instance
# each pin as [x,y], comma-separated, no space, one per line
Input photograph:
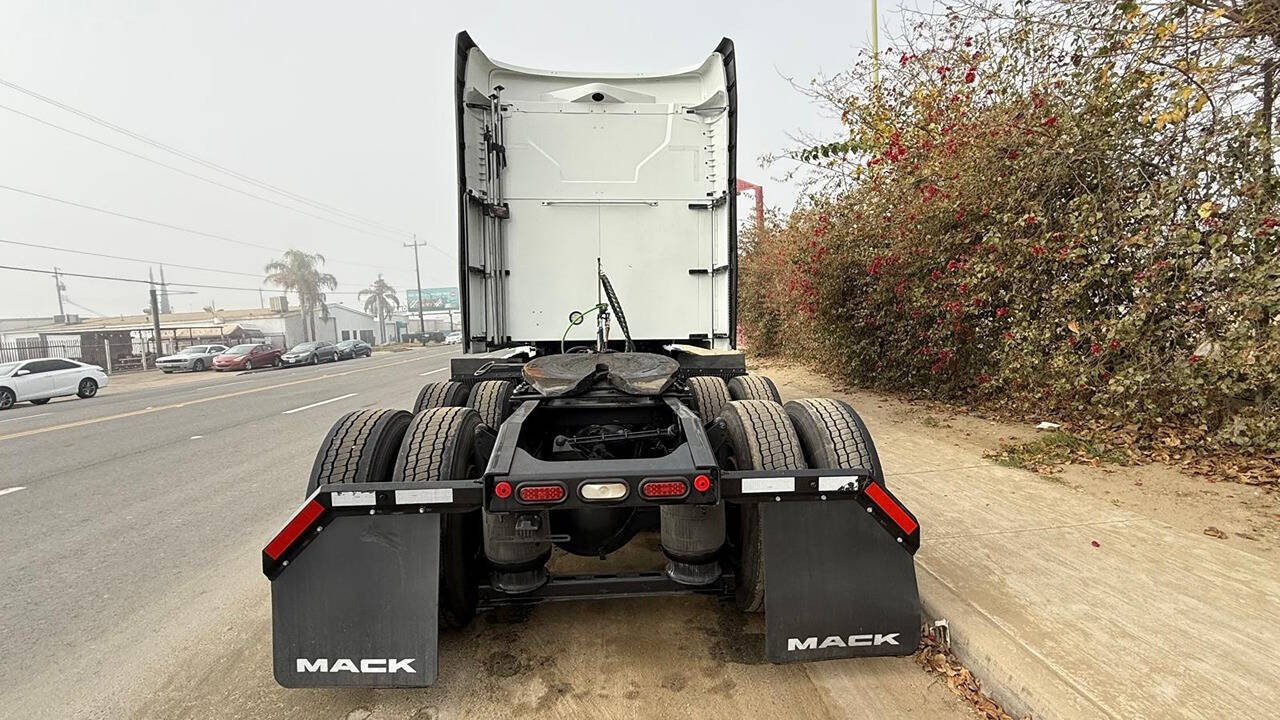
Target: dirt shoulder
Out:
[1248,516]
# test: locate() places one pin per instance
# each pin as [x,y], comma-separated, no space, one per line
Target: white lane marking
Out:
[6,491]
[318,404]
[196,437]
[25,417]
[432,372]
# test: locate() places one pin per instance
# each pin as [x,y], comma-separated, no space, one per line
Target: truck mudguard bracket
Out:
[837,584]
[826,486]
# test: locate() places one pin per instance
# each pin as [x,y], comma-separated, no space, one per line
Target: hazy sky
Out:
[347,103]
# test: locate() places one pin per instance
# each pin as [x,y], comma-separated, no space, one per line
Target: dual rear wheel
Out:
[435,443]
[490,398]
[764,434]
[398,446]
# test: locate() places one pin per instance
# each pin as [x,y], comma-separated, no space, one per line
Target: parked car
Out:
[310,353]
[348,349]
[453,338]
[195,358]
[247,357]
[38,381]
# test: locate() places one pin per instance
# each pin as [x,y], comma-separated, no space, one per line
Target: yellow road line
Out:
[198,401]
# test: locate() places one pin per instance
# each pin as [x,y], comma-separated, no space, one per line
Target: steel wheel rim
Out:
[88,387]
[6,401]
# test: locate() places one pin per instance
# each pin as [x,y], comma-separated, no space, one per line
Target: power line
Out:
[201,178]
[135,218]
[168,226]
[132,259]
[200,161]
[64,273]
[146,261]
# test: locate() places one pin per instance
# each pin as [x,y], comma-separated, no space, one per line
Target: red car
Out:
[248,357]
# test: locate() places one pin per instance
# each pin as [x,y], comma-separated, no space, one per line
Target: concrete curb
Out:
[1014,676]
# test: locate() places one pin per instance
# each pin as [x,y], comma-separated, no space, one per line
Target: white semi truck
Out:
[571,426]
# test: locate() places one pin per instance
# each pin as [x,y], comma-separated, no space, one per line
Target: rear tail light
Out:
[664,489]
[540,493]
[603,491]
[702,483]
[887,505]
[502,489]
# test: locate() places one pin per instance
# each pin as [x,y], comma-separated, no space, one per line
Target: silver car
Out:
[194,358]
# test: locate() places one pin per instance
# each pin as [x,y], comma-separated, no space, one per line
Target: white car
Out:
[453,338]
[38,381]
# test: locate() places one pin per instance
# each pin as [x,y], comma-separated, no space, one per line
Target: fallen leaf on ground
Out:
[1095,543]
[1214,532]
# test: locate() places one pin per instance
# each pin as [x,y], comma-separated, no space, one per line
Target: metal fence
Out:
[136,354]
[35,348]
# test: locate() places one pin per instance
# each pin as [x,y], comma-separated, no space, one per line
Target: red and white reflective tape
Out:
[352,499]
[424,496]
[836,483]
[768,485]
[831,483]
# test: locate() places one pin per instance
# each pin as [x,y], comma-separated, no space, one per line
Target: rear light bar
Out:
[536,493]
[664,488]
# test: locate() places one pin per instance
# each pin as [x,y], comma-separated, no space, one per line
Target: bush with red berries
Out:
[1066,221]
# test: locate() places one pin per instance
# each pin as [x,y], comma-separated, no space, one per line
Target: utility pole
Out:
[57,284]
[417,273]
[875,43]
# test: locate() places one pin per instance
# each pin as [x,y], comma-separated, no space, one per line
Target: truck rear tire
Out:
[360,447]
[710,395]
[440,394]
[492,399]
[438,446]
[762,438]
[753,387]
[833,436]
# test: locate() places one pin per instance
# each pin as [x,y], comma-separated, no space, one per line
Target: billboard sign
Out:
[431,299]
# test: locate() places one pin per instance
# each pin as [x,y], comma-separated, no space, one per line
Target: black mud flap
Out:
[837,585]
[356,607]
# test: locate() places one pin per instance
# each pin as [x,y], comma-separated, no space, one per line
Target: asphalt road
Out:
[132,587]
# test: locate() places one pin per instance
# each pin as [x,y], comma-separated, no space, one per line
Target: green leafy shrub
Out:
[1068,210]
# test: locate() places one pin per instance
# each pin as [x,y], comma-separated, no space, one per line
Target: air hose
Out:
[617,310]
[575,318]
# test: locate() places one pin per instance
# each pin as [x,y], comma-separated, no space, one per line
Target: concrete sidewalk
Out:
[1152,622]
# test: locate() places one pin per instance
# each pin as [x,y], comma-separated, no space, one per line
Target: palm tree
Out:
[300,272]
[380,299]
